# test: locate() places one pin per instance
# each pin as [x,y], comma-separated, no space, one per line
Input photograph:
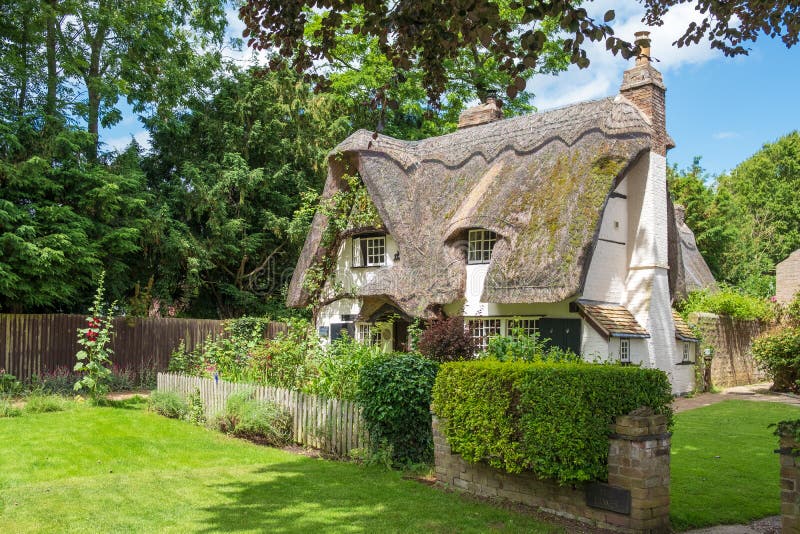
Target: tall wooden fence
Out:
[35,344]
[331,425]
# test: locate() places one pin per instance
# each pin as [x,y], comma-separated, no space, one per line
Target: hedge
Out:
[552,419]
[394,391]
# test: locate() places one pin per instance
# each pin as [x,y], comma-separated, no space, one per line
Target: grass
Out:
[724,470]
[122,469]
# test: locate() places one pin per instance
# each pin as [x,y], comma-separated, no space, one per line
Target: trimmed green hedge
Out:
[552,419]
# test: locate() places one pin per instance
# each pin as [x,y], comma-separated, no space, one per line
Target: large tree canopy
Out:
[749,220]
[430,34]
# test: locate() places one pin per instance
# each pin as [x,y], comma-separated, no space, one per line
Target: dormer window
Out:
[369,251]
[481,243]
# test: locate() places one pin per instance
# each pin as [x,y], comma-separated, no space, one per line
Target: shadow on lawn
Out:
[315,495]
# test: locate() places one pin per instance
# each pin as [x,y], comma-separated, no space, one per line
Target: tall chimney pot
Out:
[643,42]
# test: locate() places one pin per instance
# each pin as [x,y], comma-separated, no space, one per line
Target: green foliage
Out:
[340,366]
[195,412]
[94,360]
[778,352]
[746,221]
[8,410]
[9,385]
[551,419]
[168,404]
[521,347]
[186,362]
[262,421]
[394,391]
[38,403]
[288,360]
[728,301]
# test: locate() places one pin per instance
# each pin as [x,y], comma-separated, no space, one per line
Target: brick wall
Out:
[638,464]
[790,485]
[787,278]
[731,339]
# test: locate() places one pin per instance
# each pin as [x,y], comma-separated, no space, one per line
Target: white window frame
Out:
[367,333]
[482,328]
[481,242]
[687,358]
[529,325]
[375,247]
[624,350]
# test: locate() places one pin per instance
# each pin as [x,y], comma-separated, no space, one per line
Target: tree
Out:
[429,34]
[142,50]
[228,176]
[377,93]
[746,221]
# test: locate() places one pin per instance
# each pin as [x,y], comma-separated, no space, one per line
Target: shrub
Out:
[9,385]
[394,391]
[262,421]
[447,340]
[339,368]
[189,363]
[522,347]
[59,381]
[195,412]
[287,360]
[778,353]
[552,419]
[168,404]
[728,301]
[8,410]
[37,403]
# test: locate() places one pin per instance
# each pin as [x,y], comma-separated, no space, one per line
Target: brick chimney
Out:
[644,87]
[489,111]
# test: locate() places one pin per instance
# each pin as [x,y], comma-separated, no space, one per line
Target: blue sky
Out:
[723,109]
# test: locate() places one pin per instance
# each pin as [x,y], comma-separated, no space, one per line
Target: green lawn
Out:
[724,470]
[126,470]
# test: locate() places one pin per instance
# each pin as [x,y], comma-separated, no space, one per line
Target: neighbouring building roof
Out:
[611,320]
[696,273]
[540,181]
[682,329]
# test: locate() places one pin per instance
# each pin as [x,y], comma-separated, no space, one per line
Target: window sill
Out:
[367,266]
[686,363]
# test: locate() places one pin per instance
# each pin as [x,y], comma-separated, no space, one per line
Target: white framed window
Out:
[624,350]
[528,326]
[687,352]
[368,334]
[481,243]
[369,251]
[482,329]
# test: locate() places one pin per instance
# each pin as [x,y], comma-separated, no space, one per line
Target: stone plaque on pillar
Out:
[606,497]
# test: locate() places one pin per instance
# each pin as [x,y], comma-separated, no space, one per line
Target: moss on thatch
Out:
[540,181]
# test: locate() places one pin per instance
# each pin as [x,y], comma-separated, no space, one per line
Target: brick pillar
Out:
[638,461]
[790,483]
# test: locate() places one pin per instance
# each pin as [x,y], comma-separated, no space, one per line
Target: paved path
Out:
[753,392]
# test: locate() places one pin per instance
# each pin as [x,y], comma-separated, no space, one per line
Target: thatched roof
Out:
[540,181]
[696,274]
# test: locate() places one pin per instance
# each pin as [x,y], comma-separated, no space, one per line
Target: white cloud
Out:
[604,75]
[725,135]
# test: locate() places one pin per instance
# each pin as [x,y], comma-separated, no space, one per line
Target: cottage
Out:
[558,222]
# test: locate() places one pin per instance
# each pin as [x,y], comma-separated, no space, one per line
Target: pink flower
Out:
[773,298]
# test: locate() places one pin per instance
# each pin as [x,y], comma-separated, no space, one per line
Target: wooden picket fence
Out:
[334,426]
